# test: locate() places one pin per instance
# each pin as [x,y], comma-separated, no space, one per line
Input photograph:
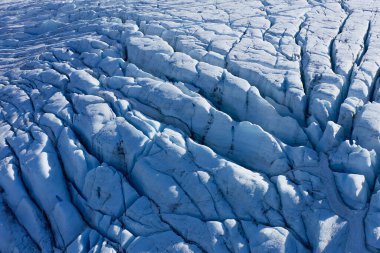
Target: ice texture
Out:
[190,126]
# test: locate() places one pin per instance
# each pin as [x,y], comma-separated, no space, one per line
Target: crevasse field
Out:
[190,126]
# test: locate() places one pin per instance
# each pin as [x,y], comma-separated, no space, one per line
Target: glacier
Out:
[190,126]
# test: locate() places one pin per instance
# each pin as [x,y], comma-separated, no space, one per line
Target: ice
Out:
[331,137]
[355,159]
[14,237]
[184,126]
[372,221]
[265,239]
[369,120]
[162,242]
[22,205]
[81,80]
[45,27]
[103,191]
[353,188]
[334,229]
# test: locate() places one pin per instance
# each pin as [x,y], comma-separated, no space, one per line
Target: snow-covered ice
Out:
[190,126]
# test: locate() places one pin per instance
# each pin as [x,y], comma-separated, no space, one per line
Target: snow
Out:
[369,120]
[184,126]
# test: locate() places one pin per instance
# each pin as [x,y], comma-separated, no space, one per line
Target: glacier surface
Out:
[190,126]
